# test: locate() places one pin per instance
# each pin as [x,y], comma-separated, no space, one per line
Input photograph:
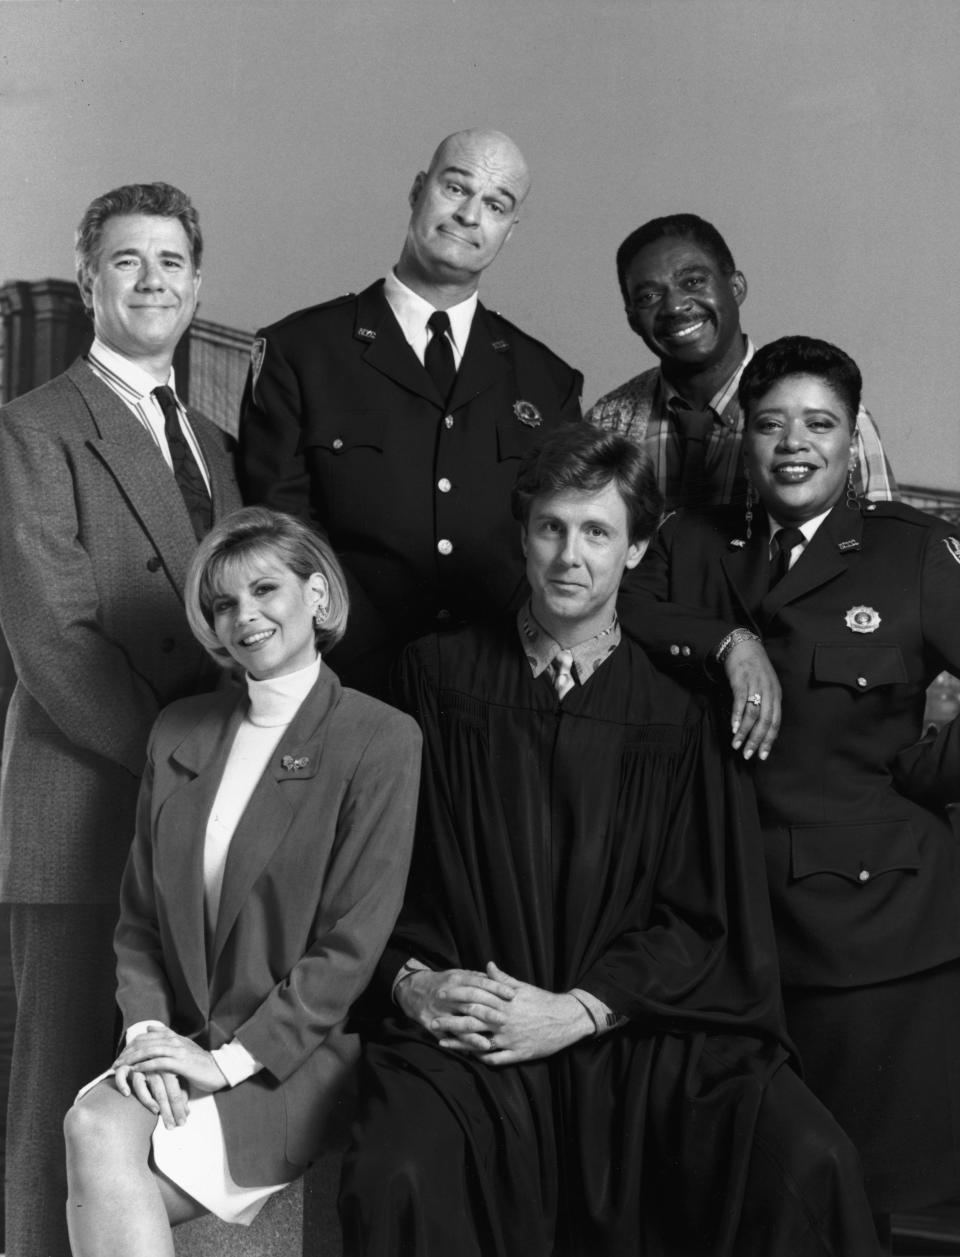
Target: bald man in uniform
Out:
[394,420]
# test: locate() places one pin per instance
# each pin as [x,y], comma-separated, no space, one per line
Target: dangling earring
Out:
[751,498]
[321,615]
[852,502]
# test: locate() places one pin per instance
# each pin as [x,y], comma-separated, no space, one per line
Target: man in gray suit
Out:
[106,481]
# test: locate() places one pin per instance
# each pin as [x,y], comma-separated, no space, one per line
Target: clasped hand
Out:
[492,1015]
[154,1067]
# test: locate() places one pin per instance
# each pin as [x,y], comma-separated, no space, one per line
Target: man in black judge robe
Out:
[584,1054]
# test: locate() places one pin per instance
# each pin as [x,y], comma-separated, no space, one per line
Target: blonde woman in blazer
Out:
[247,928]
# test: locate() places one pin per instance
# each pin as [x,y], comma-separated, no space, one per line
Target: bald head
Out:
[493,151]
[464,208]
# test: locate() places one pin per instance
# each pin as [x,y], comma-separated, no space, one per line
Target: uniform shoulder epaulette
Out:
[900,510]
[511,329]
[307,311]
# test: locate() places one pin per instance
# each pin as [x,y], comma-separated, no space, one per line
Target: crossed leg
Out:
[118,1203]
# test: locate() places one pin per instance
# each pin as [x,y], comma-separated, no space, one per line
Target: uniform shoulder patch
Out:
[953,548]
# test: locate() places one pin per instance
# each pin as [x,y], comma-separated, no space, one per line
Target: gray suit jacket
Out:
[312,886]
[94,550]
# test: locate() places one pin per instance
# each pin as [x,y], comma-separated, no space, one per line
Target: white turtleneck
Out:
[273,704]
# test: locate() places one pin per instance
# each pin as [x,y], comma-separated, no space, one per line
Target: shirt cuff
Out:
[235,1062]
[408,968]
[601,1014]
[141,1027]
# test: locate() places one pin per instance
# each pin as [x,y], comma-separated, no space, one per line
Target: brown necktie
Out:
[438,358]
[784,540]
[188,475]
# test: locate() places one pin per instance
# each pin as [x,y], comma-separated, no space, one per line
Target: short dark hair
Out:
[242,537]
[681,226]
[582,456]
[162,200]
[801,355]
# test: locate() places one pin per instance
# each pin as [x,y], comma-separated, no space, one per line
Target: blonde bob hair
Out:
[243,537]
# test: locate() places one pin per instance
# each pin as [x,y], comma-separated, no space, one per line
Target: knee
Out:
[89,1136]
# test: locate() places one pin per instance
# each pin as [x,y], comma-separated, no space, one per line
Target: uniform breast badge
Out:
[527,413]
[862,620]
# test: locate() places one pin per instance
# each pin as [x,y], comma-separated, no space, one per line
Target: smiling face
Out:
[143,292]
[576,545]
[464,209]
[263,615]
[683,306]
[799,444]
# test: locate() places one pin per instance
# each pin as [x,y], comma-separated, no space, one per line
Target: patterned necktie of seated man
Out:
[562,664]
[186,472]
[784,540]
[438,358]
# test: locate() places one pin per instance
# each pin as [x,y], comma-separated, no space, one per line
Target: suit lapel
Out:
[138,467]
[180,832]
[482,367]
[387,351]
[823,558]
[267,818]
[746,568]
[223,492]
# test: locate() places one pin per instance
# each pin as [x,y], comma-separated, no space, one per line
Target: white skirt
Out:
[195,1158]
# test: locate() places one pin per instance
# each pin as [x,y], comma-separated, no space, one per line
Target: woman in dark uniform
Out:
[858,608]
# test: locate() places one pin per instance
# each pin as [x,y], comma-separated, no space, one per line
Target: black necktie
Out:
[693,428]
[784,540]
[189,478]
[438,358]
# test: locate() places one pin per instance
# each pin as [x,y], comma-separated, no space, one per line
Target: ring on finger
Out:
[755,699]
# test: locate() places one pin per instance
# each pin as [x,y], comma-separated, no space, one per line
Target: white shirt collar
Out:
[808,528]
[412,312]
[128,372]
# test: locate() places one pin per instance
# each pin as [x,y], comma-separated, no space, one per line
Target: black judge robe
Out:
[602,842]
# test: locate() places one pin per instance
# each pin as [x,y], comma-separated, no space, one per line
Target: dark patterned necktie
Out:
[784,540]
[189,478]
[438,358]
[693,428]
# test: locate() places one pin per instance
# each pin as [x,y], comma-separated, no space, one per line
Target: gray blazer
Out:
[311,888]
[94,550]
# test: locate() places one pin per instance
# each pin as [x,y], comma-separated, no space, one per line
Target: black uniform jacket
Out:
[342,425]
[864,882]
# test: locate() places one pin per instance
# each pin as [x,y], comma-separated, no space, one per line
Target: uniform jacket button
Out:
[153,563]
[444,485]
[168,645]
[337,443]
[445,546]
[864,875]
[862,682]
[674,649]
